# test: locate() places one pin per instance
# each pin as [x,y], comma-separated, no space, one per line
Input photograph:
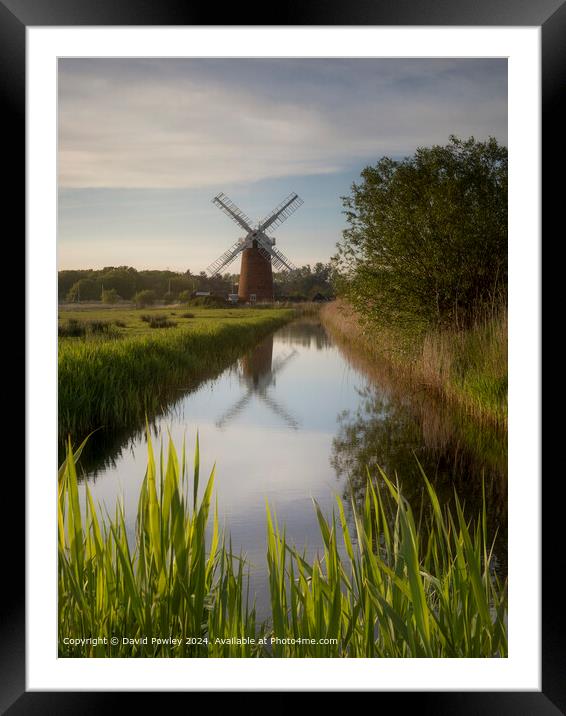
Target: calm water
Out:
[295,419]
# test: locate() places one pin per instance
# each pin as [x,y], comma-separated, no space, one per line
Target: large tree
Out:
[304,283]
[427,237]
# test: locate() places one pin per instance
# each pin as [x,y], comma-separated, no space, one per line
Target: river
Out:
[300,418]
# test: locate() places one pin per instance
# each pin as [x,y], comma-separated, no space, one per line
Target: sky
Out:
[145,144]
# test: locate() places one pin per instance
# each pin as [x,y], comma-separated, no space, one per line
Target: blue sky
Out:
[145,144]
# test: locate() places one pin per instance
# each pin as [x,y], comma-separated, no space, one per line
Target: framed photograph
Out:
[283,354]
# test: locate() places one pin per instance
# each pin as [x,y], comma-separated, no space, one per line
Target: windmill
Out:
[259,254]
[258,372]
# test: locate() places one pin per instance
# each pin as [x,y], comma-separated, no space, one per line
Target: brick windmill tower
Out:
[259,254]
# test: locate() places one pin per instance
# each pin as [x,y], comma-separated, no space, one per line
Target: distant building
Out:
[319,298]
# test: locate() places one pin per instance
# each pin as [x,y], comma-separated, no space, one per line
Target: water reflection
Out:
[300,417]
[257,375]
[106,449]
[307,333]
[402,433]
[256,371]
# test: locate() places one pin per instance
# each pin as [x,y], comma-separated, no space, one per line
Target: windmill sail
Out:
[279,410]
[282,212]
[235,410]
[281,361]
[278,259]
[225,260]
[233,211]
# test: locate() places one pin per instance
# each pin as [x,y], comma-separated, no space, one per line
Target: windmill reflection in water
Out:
[257,374]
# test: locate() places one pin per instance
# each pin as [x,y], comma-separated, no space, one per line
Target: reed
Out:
[172,581]
[397,587]
[406,587]
[467,367]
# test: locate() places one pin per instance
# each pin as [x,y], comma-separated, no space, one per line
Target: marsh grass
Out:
[158,320]
[466,367]
[74,328]
[409,586]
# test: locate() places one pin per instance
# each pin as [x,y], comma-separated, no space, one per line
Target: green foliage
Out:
[156,321]
[110,295]
[185,296]
[72,328]
[99,328]
[396,588]
[87,284]
[303,284]
[86,289]
[209,301]
[478,369]
[144,298]
[123,280]
[66,280]
[75,328]
[427,237]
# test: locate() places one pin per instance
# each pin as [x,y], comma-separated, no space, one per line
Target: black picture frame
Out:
[550,15]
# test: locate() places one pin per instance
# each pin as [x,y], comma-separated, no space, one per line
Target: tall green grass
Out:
[467,367]
[172,582]
[406,587]
[400,586]
[115,383]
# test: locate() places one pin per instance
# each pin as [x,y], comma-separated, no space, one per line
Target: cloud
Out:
[208,123]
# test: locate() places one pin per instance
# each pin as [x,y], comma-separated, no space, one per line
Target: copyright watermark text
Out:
[177,642]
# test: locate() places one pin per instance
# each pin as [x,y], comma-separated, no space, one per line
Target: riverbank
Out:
[467,369]
[116,372]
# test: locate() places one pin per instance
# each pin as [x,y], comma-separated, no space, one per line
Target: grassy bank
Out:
[467,368]
[402,590]
[113,376]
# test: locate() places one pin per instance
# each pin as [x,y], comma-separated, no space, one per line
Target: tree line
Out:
[125,283]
